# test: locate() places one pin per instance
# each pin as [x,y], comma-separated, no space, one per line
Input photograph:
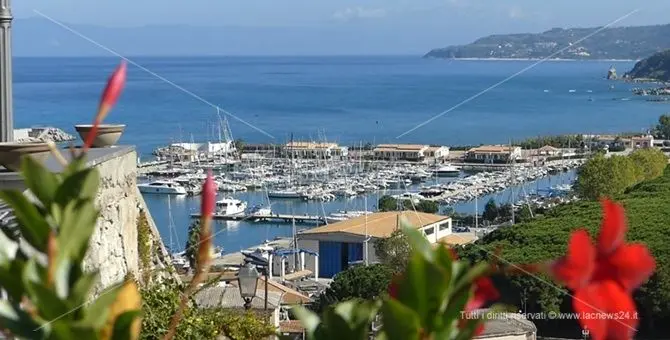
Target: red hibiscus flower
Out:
[603,276]
[484,292]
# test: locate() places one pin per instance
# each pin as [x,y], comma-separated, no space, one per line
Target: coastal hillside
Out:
[648,210]
[656,67]
[613,43]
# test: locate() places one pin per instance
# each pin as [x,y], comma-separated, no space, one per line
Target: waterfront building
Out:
[315,150]
[267,150]
[437,153]
[645,141]
[343,244]
[548,150]
[493,154]
[400,152]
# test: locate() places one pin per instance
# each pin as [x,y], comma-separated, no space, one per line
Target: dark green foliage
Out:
[388,203]
[192,243]
[49,298]
[663,128]
[357,282]
[160,302]
[490,211]
[610,176]
[430,207]
[561,141]
[648,210]
[394,251]
[656,66]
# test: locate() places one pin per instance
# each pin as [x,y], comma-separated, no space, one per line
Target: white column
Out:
[316,267]
[283,268]
[271,266]
[302,260]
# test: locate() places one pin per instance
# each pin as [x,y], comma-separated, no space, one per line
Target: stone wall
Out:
[114,245]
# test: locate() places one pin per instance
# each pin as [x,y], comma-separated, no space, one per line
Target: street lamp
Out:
[248,281]
[6,116]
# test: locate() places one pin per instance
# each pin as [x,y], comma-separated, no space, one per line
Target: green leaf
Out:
[47,302]
[32,272]
[455,307]
[82,288]
[77,226]
[96,313]
[81,184]
[424,289]
[466,280]
[123,325]
[41,182]
[62,278]
[34,228]
[336,326]
[400,322]
[308,319]
[11,283]
[419,243]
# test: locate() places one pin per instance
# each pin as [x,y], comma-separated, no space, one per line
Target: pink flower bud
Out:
[208,197]
[109,96]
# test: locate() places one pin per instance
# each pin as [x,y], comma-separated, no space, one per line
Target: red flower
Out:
[109,96]
[603,276]
[208,197]
[484,292]
[393,286]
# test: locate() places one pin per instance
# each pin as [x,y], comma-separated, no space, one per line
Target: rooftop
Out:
[380,225]
[493,149]
[229,297]
[400,147]
[548,148]
[310,145]
[458,239]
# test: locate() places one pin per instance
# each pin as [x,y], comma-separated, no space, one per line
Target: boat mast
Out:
[511,173]
[365,255]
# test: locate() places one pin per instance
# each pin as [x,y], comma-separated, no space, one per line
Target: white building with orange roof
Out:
[342,244]
[401,152]
[493,153]
[315,150]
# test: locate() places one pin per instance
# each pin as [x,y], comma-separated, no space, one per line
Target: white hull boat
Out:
[162,187]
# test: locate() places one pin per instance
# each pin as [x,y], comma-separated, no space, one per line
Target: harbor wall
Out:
[115,249]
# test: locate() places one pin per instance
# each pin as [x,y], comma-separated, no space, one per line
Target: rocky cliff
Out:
[612,43]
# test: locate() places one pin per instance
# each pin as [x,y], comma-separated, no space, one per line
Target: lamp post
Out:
[6,115]
[248,281]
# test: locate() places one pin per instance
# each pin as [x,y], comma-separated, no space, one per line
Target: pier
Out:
[271,218]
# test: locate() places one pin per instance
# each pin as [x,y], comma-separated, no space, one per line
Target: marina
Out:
[334,190]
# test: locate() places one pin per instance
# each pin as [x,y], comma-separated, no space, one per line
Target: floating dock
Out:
[271,218]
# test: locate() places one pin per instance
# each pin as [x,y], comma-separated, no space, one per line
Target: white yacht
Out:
[230,207]
[447,171]
[286,193]
[162,187]
[259,211]
[407,196]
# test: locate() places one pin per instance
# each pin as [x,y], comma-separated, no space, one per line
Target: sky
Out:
[400,25]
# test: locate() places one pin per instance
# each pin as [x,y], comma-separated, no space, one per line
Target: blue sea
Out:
[346,99]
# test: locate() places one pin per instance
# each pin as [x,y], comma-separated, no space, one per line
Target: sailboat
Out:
[287,192]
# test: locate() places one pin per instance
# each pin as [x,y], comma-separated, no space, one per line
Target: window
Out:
[429,231]
[444,226]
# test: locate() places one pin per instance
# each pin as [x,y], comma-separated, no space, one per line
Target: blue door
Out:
[355,252]
[330,258]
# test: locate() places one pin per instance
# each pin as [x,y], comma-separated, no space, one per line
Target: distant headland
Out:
[616,43]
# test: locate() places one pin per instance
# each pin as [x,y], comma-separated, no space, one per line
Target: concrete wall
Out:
[114,244]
